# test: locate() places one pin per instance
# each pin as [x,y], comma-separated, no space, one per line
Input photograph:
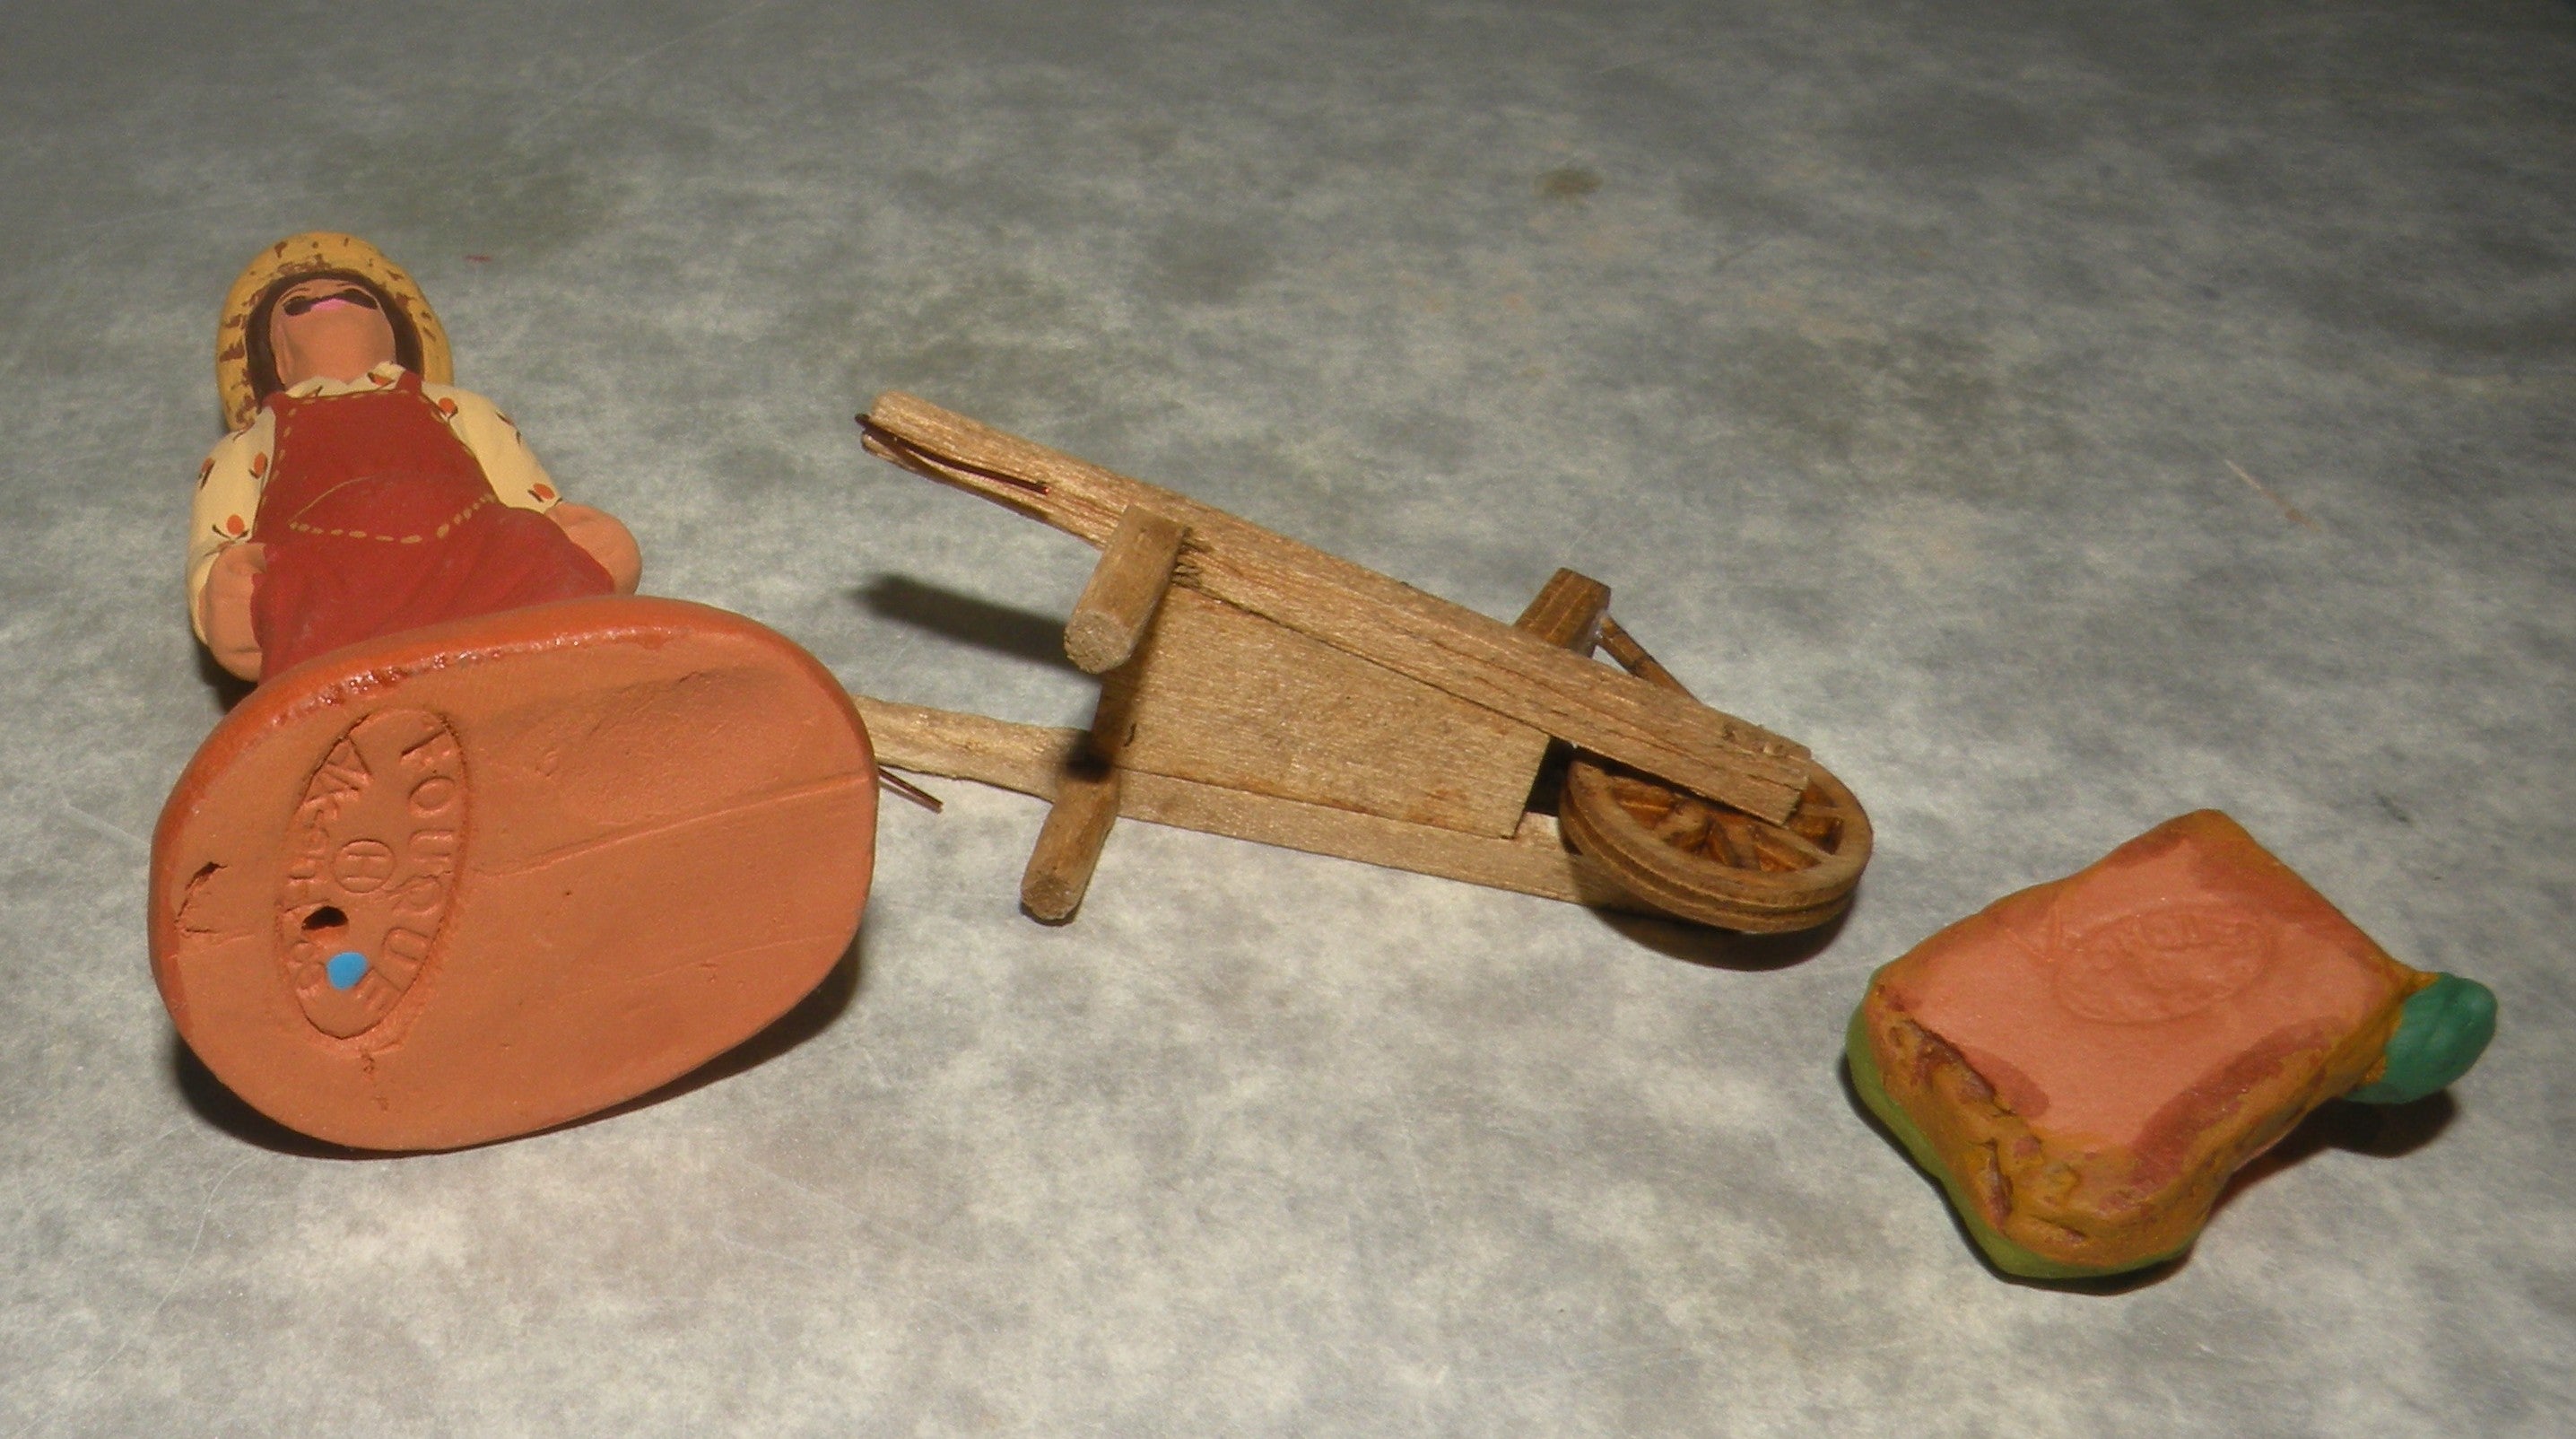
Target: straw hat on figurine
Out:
[246,374]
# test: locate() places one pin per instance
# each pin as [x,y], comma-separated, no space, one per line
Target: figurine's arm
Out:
[220,558]
[604,539]
[517,479]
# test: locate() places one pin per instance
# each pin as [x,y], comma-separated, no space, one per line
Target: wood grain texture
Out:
[1035,760]
[1225,697]
[1703,861]
[1031,759]
[1711,865]
[1363,613]
[1569,611]
[1633,658]
[1068,847]
[1118,605]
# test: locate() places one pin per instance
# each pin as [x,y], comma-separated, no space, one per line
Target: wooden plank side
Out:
[1028,758]
[1225,697]
[1534,861]
[1035,760]
[1354,609]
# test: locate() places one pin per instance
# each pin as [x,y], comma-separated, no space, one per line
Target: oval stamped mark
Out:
[2159,964]
[372,874]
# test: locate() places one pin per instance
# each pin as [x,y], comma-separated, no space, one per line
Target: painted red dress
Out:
[377,519]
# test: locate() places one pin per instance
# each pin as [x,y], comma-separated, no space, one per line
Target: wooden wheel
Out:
[1708,862]
[1692,856]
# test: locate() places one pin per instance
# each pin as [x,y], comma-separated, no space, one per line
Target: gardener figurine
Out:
[496,843]
[358,495]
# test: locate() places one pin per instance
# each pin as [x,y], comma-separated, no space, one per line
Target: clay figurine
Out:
[494,843]
[1255,687]
[2084,1064]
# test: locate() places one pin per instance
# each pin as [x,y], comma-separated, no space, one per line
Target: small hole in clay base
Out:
[326,917]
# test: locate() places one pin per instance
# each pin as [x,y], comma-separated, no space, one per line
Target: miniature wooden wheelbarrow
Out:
[1258,688]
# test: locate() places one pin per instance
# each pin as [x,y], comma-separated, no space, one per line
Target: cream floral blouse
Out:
[230,481]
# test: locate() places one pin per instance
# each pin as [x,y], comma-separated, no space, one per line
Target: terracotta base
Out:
[2085,1064]
[493,875]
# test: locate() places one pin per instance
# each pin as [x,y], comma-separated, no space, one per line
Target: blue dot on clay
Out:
[345,969]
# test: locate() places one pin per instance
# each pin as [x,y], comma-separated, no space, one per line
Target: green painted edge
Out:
[2010,1257]
[2441,1031]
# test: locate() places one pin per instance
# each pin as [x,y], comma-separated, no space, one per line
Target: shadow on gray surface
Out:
[1022,634]
[809,1017]
[1723,948]
[228,690]
[226,1110]
[2379,1131]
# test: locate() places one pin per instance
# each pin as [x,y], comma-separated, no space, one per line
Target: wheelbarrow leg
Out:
[1108,624]
[1068,847]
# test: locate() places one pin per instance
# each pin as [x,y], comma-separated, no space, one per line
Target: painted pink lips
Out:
[350,296]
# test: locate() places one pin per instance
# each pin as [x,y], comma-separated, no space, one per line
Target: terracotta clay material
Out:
[2084,1064]
[494,874]
[330,327]
[244,371]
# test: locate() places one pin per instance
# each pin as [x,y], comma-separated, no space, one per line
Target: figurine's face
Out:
[327,327]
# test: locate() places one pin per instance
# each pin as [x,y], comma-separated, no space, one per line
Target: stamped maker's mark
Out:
[373,872]
[2160,964]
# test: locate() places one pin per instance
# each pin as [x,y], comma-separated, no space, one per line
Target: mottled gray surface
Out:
[2060,416]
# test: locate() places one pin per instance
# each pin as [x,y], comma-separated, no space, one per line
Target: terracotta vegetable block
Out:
[2084,1064]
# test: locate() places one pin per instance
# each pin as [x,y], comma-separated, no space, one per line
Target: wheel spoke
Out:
[1824,830]
[1683,826]
[1645,801]
[1797,845]
[1737,849]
